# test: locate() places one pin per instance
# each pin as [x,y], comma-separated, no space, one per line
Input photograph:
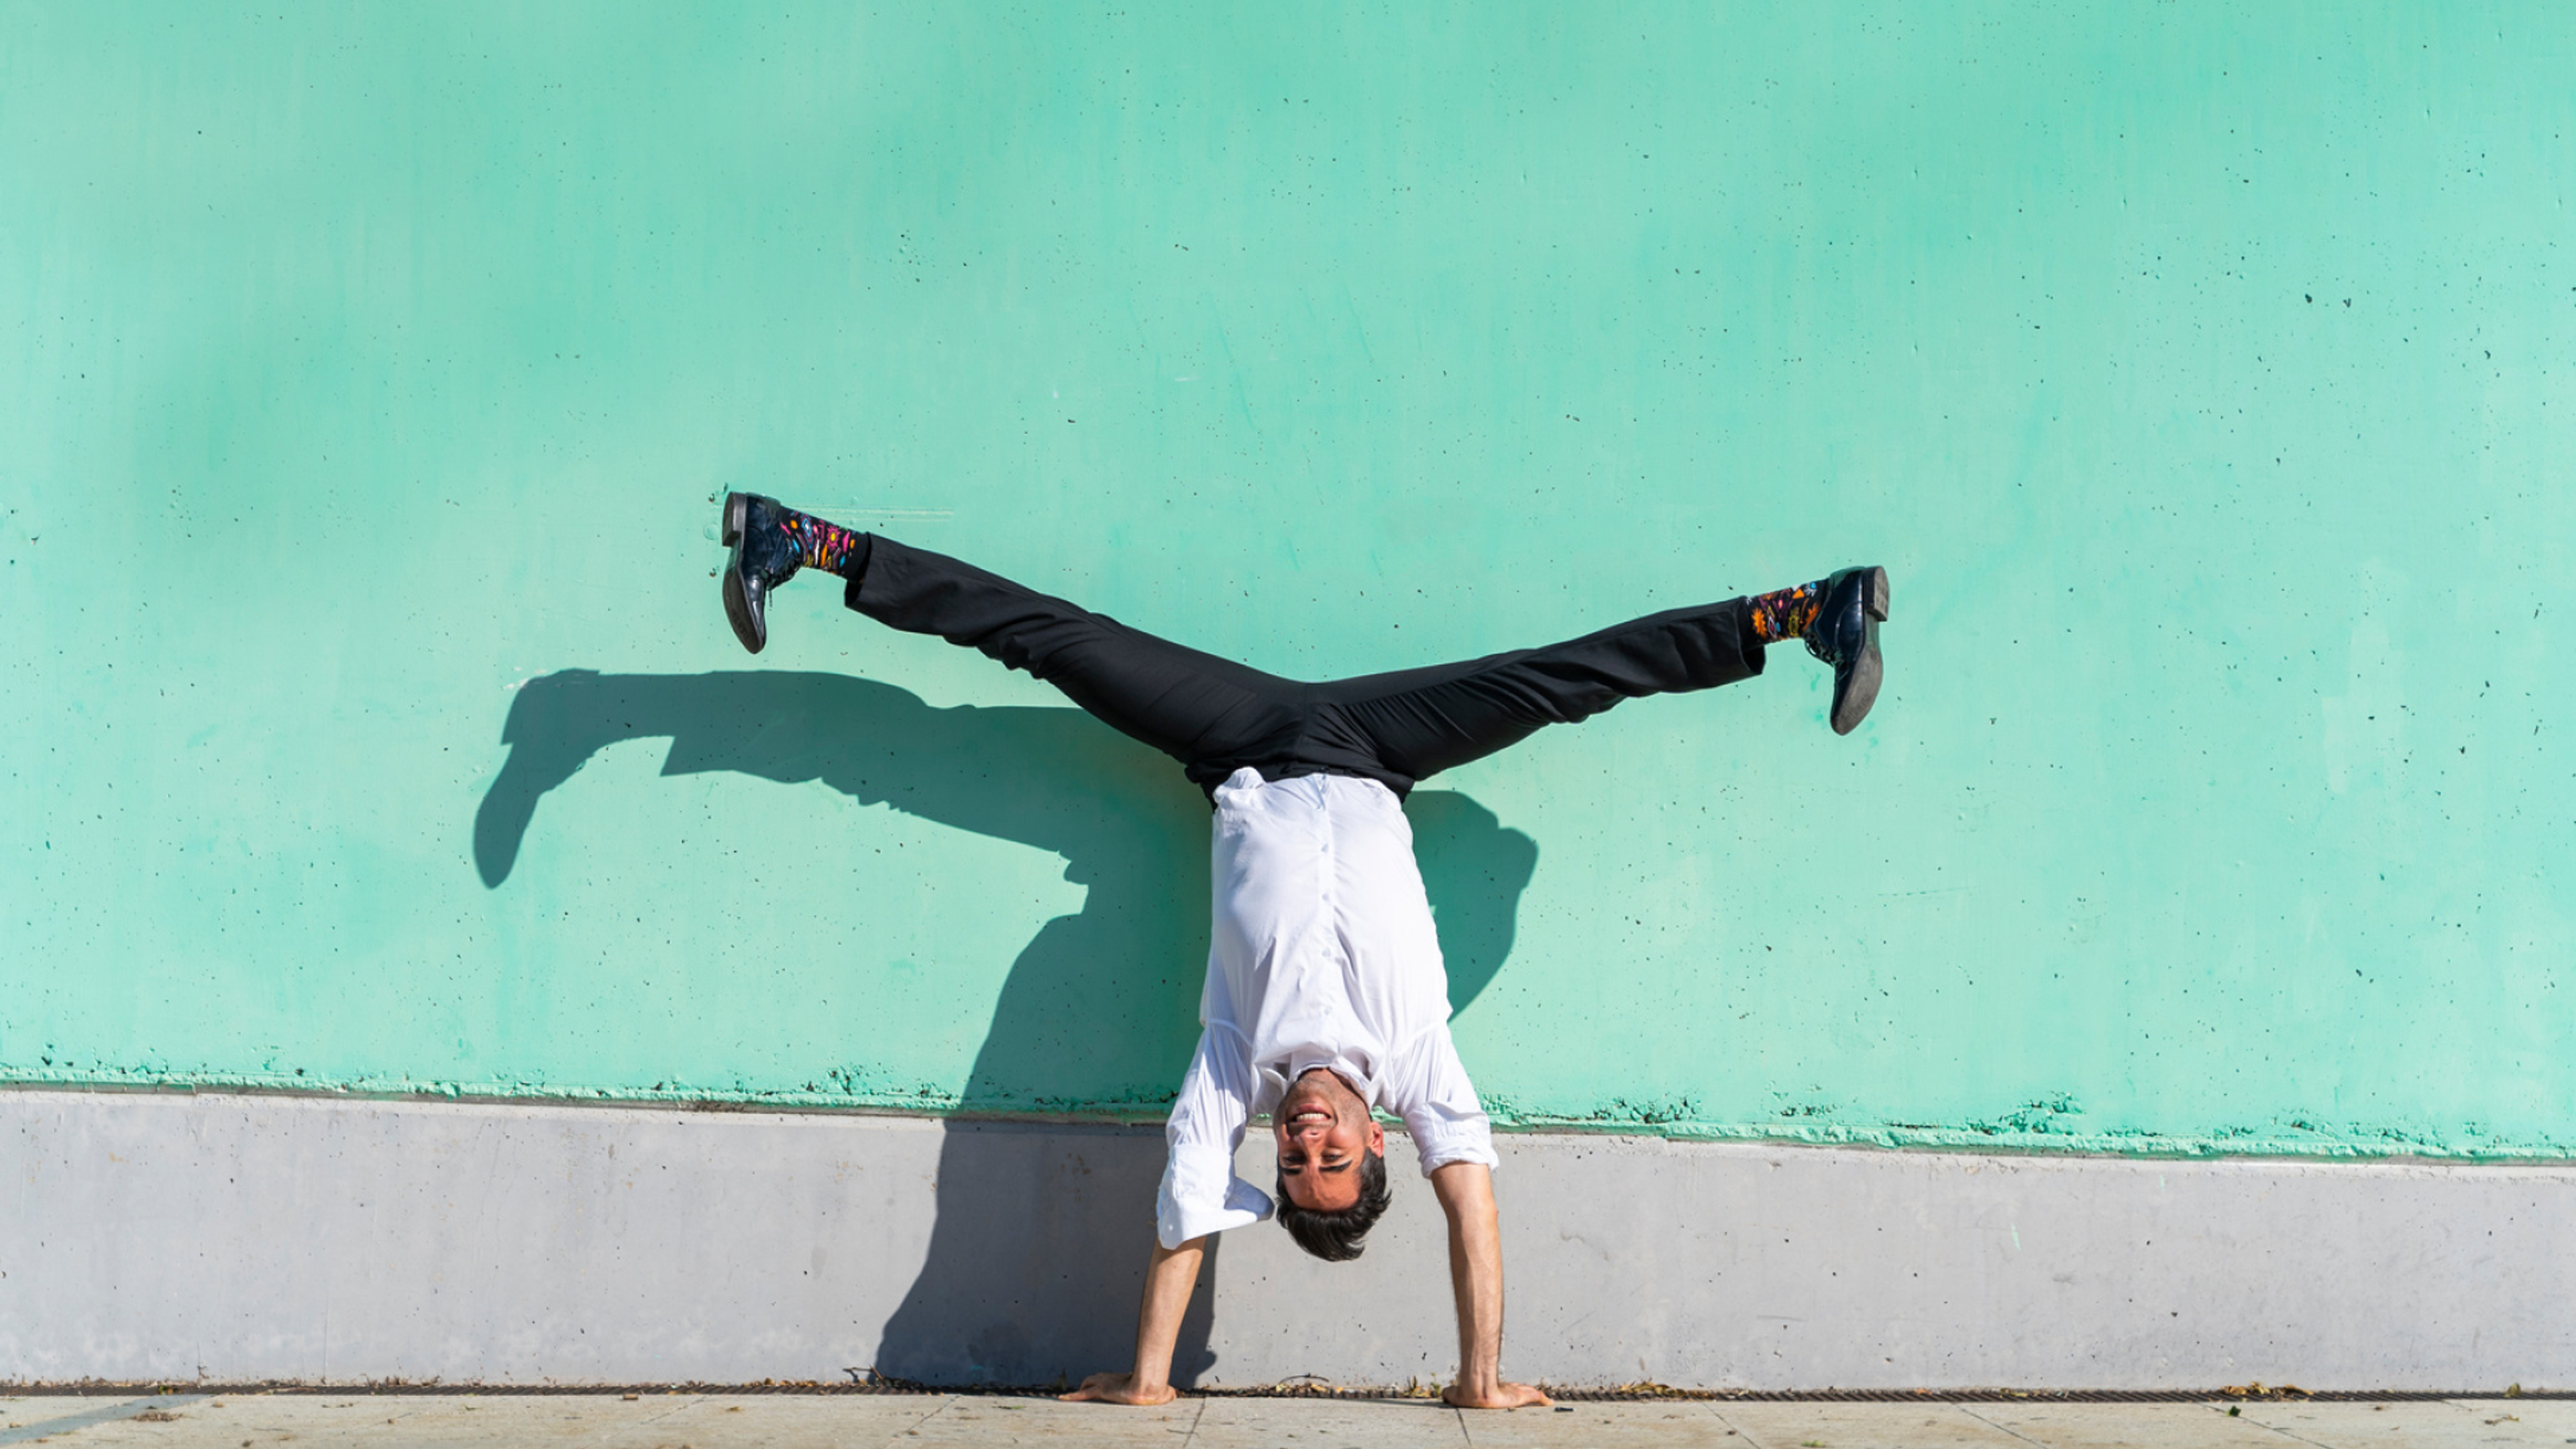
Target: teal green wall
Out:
[2206,377]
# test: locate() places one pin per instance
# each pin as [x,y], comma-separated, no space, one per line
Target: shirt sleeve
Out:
[1200,1193]
[1430,1091]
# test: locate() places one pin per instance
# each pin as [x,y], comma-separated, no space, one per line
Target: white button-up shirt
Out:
[1323,956]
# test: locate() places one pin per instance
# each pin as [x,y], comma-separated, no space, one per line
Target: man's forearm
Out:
[1169,1277]
[1466,1192]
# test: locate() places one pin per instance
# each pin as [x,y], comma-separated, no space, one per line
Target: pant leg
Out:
[1195,707]
[1423,721]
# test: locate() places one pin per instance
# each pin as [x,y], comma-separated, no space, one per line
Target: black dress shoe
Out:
[1845,635]
[763,558]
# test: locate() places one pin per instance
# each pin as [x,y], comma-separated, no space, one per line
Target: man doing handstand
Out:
[1325,994]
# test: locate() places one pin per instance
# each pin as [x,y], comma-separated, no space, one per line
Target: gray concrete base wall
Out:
[254,1237]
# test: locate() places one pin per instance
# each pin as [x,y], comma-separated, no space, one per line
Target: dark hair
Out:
[1338,1237]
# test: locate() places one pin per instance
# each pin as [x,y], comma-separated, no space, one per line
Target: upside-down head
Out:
[1332,1166]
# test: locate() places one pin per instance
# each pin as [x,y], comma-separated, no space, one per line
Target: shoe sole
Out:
[1851,705]
[748,628]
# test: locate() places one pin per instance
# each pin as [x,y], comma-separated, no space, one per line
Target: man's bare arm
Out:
[1466,1193]
[1169,1277]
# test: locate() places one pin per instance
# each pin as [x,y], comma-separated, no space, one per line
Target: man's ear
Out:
[1377,1137]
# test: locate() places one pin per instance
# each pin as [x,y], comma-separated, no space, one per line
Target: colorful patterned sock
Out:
[825,546]
[1786,613]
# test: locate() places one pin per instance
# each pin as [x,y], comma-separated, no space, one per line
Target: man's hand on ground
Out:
[1118,1389]
[1169,1275]
[1500,1396]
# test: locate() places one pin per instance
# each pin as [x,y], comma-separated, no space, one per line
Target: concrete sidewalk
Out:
[737,1421]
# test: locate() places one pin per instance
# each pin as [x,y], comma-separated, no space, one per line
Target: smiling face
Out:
[1322,1128]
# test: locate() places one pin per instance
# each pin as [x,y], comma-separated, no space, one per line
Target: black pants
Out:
[1216,716]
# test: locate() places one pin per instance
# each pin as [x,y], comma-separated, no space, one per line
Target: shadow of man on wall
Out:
[1037,1253]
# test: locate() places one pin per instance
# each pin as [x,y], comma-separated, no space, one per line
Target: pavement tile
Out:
[1861,1426]
[2458,1422]
[487,1420]
[437,1422]
[1611,1426]
[38,1419]
[2129,1426]
[1327,1424]
[783,1421]
[973,1420]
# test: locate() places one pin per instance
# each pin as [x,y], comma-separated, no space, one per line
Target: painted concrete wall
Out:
[2206,376]
[486,1242]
